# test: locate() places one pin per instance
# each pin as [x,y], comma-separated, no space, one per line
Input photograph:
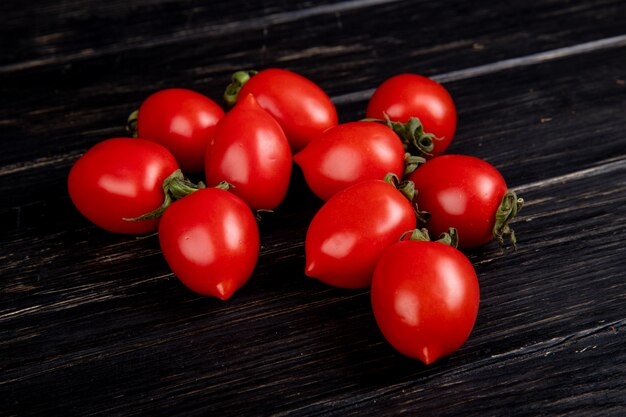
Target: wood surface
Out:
[93,323]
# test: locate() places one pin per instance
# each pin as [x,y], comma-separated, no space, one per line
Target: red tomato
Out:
[210,240]
[349,153]
[301,107]
[250,151]
[350,231]
[181,120]
[410,95]
[462,192]
[425,298]
[121,178]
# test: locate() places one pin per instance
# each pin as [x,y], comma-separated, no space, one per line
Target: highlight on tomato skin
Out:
[210,240]
[249,150]
[410,95]
[425,298]
[350,153]
[181,120]
[121,178]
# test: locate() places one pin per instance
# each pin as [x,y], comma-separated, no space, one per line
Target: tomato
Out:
[210,240]
[466,193]
[250,151]
[409,95]
[351,230]
[349,153]
[425,298]
[301,107]
[121,178]
[181,120]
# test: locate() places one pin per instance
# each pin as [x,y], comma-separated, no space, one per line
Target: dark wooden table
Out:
[93,323]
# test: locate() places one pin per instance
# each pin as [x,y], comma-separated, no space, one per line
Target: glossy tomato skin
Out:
[425,298]
[181,120]
[351,230]
[460,191]
[350,153]
[210,240]
[251,152]
[301,107]
[121,178]
[410,95]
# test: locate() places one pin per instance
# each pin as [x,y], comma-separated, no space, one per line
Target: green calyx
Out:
[407,188]
[451,238]
[131,124]
[509,207]
[238,80]
[411,163]
[175,187]
[415,140]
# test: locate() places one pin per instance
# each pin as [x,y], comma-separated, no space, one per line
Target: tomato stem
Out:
[451,238]
[411,163]
[175,187]
[509,207]
[407,188]
[238,80]
[131,123]
[415,140]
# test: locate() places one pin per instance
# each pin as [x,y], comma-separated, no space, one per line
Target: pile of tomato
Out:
[384,185]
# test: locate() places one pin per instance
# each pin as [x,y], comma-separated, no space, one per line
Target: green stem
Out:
[415,140]
[451,238]
[411,163]
[407,188]
[175,187]
[238,80]
[509,207]
[131,123]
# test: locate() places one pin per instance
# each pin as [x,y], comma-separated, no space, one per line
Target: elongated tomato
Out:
[348,234]
[251,152]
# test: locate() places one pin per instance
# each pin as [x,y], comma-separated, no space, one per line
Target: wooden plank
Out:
[94,323]
[285,342]
[90,98]
[82,29]
[554,107]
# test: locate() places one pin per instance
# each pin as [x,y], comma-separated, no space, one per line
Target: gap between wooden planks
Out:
[457,75]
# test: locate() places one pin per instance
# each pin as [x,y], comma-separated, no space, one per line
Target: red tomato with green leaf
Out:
[121,178]
[409,95]
[425,298]
[348,234]
[210,240]
[350,153]
[181,120]
[300,106]
[468,194]
[250,151]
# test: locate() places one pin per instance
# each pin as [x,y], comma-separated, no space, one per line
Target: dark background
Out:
[95,323]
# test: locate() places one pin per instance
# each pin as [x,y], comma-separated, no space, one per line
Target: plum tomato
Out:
[350,153]
[210,240]
[348,234]
[181,120]
[121,178]
[300,106]
[425,298]
[249,150]
[410,95]
[468,194]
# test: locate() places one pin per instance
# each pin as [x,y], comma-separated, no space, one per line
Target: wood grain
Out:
[93,323]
